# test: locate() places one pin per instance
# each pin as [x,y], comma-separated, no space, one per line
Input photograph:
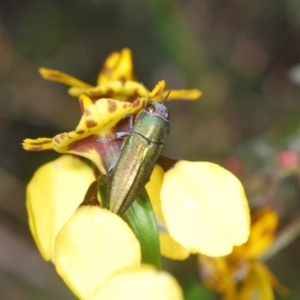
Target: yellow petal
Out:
[144,283]
[118,66]
[263,226]
[108,67]
[256,286]
[58,76]
[92,246]
[85,102]
[158,89]
[38,144]
[205,208]
[168,246]
[153,188]
[52,196]
[123,91]
[180,95]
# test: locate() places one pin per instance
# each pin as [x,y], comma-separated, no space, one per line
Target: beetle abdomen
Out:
[132,171]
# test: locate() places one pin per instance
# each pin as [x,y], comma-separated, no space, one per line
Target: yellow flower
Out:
[200,207]
[115,80]
[103,110]
[201,204]
[219,217]
[240,275]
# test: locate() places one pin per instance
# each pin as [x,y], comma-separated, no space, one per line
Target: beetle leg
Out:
[121,134]
[116,136]
[110,169]
[131,117]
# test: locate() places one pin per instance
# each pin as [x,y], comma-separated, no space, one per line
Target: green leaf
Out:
[140,217]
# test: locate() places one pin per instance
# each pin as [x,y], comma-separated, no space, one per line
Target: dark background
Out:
[243,55]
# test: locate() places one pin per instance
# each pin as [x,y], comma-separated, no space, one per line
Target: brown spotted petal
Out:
[38,144]
[118,66]
[98,121]
[61,77]
[123,91]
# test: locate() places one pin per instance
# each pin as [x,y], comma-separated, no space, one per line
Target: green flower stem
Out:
[140,217]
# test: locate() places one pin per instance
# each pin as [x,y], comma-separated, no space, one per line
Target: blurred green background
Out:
[243,55]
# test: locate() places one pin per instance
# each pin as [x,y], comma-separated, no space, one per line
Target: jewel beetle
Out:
[144,143]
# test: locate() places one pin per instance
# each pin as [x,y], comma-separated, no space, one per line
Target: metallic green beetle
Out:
[138,156]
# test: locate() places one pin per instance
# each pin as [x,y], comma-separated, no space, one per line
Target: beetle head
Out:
[158,109]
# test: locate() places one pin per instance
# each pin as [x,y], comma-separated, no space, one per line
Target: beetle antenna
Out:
[168,94]
[148,93]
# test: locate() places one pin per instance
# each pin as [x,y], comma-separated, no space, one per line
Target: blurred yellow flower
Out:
[240,275]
